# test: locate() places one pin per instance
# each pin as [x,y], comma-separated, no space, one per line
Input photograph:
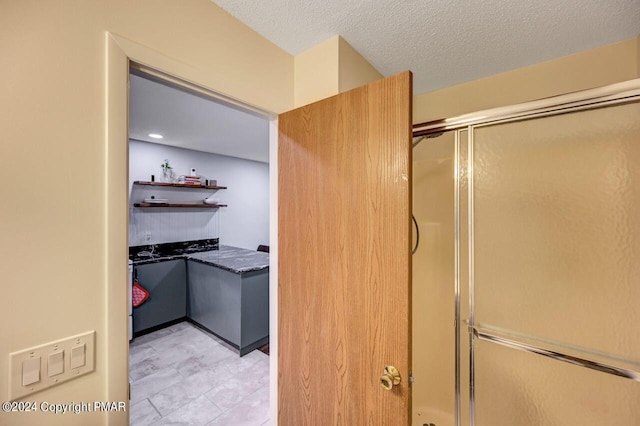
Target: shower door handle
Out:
[390,377]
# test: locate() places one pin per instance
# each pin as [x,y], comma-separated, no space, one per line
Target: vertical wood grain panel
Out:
[344,256]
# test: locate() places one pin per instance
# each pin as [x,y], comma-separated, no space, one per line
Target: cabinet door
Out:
[214,300]
[166,284]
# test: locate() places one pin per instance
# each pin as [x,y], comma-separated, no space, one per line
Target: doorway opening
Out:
[199,207]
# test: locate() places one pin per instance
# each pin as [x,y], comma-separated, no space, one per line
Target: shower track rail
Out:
[628,91]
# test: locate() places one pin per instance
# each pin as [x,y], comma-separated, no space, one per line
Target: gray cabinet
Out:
[166,283]
[232,306]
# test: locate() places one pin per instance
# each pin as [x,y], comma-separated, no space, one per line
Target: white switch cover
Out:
[25,378]
[77,356]
[55,364]
[30,371]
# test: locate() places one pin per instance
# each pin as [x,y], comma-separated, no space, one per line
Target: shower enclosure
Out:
[526,281]
[433,282]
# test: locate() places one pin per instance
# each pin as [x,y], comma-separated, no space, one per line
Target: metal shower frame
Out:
[614,94]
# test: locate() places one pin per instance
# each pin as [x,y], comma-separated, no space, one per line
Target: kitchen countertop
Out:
[232,259]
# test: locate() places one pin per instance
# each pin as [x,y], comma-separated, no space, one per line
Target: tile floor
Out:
[182,375]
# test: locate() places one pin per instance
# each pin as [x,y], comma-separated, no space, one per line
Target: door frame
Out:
[120,52]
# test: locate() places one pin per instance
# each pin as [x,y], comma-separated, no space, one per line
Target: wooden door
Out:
[344,190]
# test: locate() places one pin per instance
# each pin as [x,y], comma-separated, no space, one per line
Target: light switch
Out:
[50,364]
[55,364]
[77,356]
[30,371]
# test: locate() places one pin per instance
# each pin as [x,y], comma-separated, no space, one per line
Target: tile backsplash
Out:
[165,224]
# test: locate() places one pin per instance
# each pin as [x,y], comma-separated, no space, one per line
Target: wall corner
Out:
[354,69]
[316,72]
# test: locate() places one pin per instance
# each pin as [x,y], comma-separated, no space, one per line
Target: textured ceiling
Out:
[444,42]
[192,122]
[441,41]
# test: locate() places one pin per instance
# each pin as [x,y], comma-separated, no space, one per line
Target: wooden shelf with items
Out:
[178,185]
[188,205]
[205,205]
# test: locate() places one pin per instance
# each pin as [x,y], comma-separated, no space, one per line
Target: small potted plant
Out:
[167,172]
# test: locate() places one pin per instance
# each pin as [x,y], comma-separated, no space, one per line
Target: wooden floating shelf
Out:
[187,205]
[178,185]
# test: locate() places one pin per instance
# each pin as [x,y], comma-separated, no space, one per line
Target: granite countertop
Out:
[232,259]
[154,253]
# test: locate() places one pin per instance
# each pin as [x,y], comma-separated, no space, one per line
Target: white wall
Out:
[244,223]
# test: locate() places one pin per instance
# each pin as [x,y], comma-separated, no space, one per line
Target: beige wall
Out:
[597,67]
[638,55]
[54,230]
[330,68]
[316,73]
[355,70]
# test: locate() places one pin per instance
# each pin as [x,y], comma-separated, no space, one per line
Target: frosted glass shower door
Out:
[553,243]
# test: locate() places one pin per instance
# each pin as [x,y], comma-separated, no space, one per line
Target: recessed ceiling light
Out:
[155,136]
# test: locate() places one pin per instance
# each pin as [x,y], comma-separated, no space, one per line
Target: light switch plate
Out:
[45,352]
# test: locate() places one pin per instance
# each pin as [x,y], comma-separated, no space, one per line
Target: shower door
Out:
[548,249]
